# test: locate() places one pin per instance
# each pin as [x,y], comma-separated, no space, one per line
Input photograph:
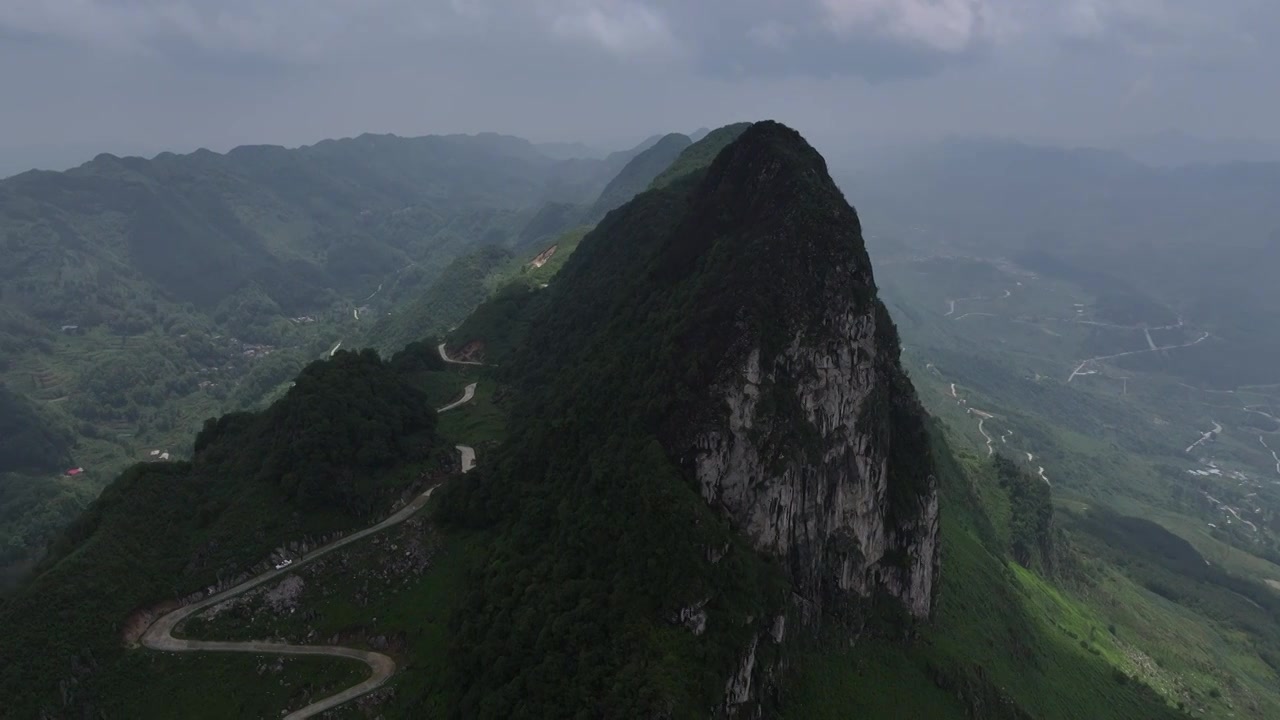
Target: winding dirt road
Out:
[468,393]
[1080,369]
[445,357]
[160,635]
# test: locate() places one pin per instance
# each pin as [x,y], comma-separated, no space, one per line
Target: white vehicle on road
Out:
[284,564]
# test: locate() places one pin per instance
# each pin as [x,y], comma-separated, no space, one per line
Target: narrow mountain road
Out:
[983,417]
[160,635]
[467,394]
[468,454]
[951,309]
[1274,456]
[1217,430]
[1081,371]
[445,357]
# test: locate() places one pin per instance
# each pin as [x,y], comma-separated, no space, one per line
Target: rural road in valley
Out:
[160,635]
[1081,371]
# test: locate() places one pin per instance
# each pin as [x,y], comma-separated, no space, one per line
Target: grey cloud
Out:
[876,39]
[177,74]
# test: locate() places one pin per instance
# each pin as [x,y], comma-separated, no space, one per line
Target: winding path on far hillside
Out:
[160,635]
[983,416]
[1080,369]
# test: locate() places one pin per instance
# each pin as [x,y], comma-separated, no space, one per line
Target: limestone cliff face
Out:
[825,511]
[723,333]
[809,436]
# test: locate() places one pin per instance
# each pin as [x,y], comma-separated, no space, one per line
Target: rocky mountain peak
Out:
[811,440]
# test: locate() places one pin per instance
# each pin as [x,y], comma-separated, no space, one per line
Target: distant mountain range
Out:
[139,296]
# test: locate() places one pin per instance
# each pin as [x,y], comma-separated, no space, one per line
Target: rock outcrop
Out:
[810,439]
[826,515]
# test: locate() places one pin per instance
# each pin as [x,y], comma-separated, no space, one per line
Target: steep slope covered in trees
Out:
[594,513]
[349,438]
[639,173]
[714,448]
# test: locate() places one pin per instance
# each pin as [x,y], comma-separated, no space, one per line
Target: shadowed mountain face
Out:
[639,173]
[710,377]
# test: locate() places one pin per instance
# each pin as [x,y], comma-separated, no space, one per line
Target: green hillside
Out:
[139,297]
[349,438]
[700,154]
[639,173]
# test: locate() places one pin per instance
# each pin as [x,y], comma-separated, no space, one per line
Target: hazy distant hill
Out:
[639,173]
[1204,240]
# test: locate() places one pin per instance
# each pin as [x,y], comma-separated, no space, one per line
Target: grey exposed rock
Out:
[694,617]
[826,514]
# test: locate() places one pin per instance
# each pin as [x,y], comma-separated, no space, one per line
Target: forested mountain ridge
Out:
[639,173]
[349,438]
[711,384]
[199,226]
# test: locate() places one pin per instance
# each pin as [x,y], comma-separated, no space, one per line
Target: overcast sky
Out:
[82,76]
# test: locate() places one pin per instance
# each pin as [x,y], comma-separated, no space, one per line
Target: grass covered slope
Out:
[435,309]
[347,439]
[700,154]
[1005,642]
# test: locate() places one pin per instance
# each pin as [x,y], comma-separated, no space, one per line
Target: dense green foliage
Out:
[501,323]
[157,686]
[443,304]
[331,454]
[1030,515]
[550,220]
[700,154]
